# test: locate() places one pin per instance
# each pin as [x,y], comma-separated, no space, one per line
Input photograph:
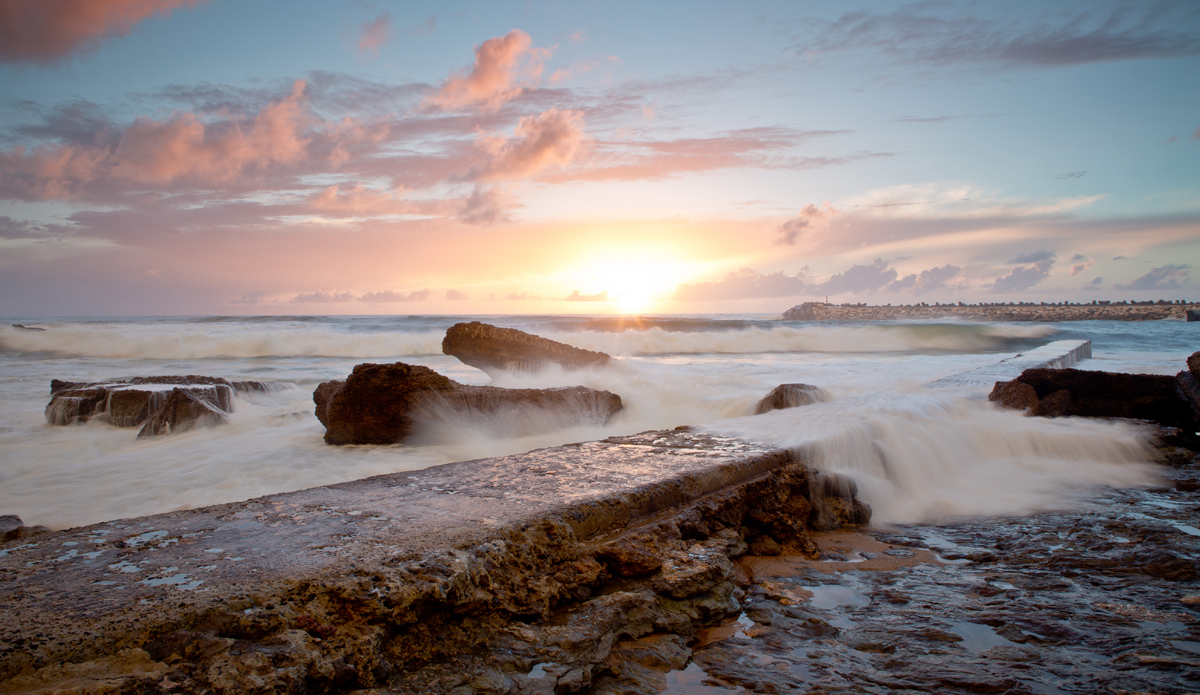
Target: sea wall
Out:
[1061,311]
[514,574]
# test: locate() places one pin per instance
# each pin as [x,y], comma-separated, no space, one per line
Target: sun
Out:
[630,285]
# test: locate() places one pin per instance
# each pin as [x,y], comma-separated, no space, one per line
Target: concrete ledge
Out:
[1059,354]
[126,601]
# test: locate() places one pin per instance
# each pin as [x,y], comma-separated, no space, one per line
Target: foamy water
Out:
[941,450]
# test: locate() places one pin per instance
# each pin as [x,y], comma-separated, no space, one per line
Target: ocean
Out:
[917,454]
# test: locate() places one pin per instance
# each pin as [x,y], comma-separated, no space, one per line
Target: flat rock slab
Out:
[82,593]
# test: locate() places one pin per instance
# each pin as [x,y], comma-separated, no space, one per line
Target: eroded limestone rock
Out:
[1056,392]
[494,349]
[386,403]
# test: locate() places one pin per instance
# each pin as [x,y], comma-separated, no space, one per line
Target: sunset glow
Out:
[501,158]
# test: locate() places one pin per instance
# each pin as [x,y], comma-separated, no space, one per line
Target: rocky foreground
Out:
[1022,311]
[525,573]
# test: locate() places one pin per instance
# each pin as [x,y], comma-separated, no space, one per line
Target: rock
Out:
[1014,394]
[493,349]
[1054,405]
[629,559]
[23,327]
[322,396]
[12,528]
[790,396]
[1097,394]
[1187,383]
[385,403]
[183,410]
[765,545]
[124,404]
[160,404]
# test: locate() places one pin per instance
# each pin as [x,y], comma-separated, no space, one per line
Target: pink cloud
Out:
[47,31]
[491,80]
[162,152]
[375,34]
[810,216]
[553,137]
[360,200]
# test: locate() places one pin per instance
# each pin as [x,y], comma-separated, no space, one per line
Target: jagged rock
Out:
[790,396]
[183,409]
[1099,394]
[629,560]
[1187,383]
[494,349]
[384,403]
[134,402]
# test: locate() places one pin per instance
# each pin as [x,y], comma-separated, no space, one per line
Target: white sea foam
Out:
[201,341]
[919,456]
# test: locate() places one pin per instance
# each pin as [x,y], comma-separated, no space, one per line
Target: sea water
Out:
[917,454]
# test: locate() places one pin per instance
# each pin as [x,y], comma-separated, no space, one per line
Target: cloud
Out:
[359,201]
[943,35]
[375,33]
[859,278]
[1034,257]
[956,200]
[484,206]
[323,298]
[158,153]
[521,296]
[1097,281]
[1022,277]
[551,138]
[575,296]
[456,295]
[1072,175]
[930,280]
[1120,258]
[48,31]
[491,81]
[390,296]
[810,216]
[1167,277]
[1196,133]
[1080,263]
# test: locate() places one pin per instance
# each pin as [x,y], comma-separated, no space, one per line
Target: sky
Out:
[223,157]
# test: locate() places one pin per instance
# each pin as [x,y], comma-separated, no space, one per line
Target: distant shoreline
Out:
[999,311]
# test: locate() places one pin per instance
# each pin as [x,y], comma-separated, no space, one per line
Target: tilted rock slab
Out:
[1057,392]
[190,401]
[492,349]
[386,403]
[417,582]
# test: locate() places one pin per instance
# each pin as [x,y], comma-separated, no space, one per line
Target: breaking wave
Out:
[247,340]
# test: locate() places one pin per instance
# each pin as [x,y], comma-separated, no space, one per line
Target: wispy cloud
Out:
[374,34]
[49,31]
[945,35]
[1168,277]
[810,216]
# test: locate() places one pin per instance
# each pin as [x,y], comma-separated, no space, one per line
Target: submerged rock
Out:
[790,396]
[133,402]
[23,327]
[493,349]
[385,403]
[1056,392]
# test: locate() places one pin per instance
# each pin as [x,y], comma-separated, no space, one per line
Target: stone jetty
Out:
[530,573]
[1002,311]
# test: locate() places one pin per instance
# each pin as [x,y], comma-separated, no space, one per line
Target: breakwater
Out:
[1022,311]
[519,573]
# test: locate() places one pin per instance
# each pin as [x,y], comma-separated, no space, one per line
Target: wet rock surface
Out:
[500,575]
[790,396]
[387,403]
[493,349]
[1058,392]
[1103,600]
[191,401]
